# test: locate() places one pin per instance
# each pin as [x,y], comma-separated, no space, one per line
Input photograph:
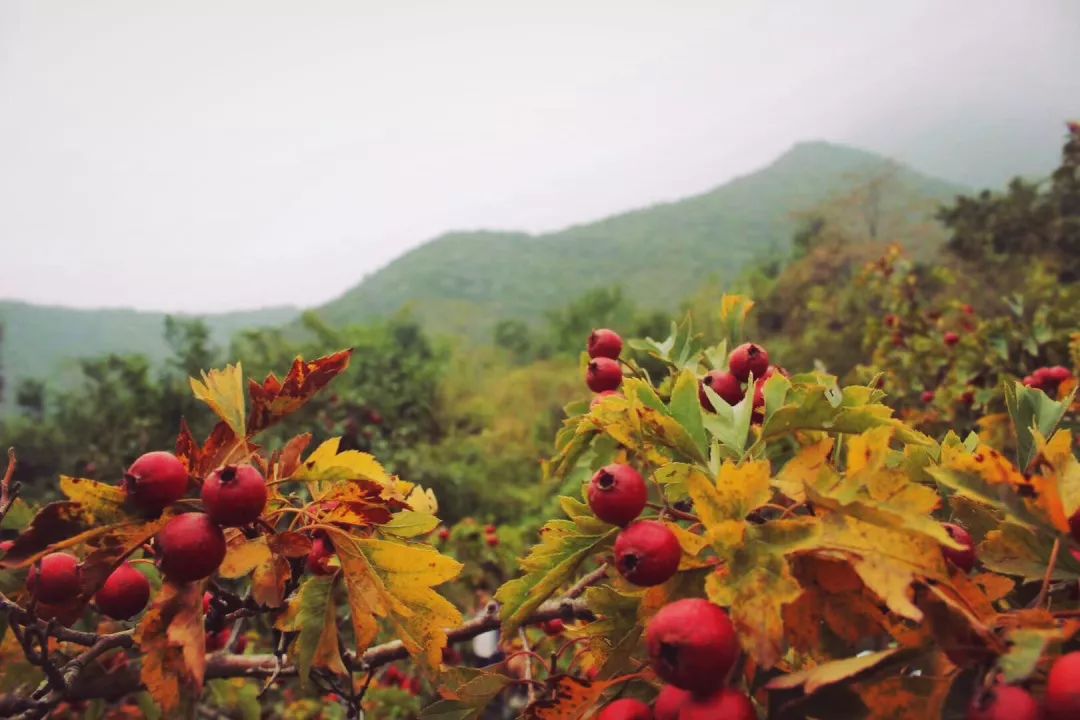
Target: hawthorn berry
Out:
[727,704]
[746,359]
[951,338]
[490,529]
[318,559]
[692,645]
[1062,701]
[603,374]
[124,594]
[927,396]
[444,534]
[891,321]
[492,540]
[647,553]
[600,397]
[190,547]
[605,343]
[234,495]
[963,559]
[669,702]
[55,578]
[724,384]
[967,310]
[218,640]
[155,481]
[617,494]
[626,709]
[1005,702]
[6,545]
[553,627]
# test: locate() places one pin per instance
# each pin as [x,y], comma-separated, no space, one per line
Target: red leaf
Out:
[274,399]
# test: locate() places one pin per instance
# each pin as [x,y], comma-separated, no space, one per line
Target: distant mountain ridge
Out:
[462,282]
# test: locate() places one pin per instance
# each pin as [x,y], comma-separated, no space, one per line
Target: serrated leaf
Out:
[325,466]
[737,491]
[395,582]
[686,408]
[104,503]
[550,564]
[804,469]
[566,697]
[729,424]
[409,524]
[173,645]
[223,392]
[1013,549]
[269,570]
[274,399]
[1032,411]
[312,614]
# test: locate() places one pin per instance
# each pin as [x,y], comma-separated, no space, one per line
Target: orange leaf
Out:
[274,399]
[173,646]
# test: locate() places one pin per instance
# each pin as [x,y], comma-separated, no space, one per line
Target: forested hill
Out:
[462,282]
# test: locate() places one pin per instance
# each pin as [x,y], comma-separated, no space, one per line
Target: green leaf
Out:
[1013,549]
[729,424]
[408,523]
[312,614]
[686,408]
[1026,646]
[1032,410]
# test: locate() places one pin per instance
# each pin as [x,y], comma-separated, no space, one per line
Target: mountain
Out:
[41,341]
[463,282]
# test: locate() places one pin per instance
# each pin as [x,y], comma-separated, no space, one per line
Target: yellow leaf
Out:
[738,491]
[423,501]
[223,391]
[105,503]
[326,466]
[173,645]
[1058,452]
[394,581]
[409,524]
[269,570]
[831,672]
[804,469]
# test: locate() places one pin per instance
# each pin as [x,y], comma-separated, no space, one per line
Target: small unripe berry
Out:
[927,396]
[318,559]
[724,384]
[190,547]
[603,374]
[155,481]
[647,553]
[951,338]
[553,627]
[1062,701]
[746,359]
[55,578]
[626,709]
[669,702]
[727,704]
[1004,702]
[234,495]
[692,645]
[963,559]
[617,494]
[124,594]
[605,343]
[600,397]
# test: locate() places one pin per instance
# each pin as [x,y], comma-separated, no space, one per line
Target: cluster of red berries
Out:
[746,360]
[603,374]
[692,646]
[491,536]
[647,553]
[394,677]
[190,547]
[1008,702]
[1047,379]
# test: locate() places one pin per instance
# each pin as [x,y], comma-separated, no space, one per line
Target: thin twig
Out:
[1044,590]
[8,490]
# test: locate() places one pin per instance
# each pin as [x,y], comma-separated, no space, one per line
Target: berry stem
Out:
[1044,590]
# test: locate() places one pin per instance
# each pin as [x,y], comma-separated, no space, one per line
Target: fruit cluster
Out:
[1048,379]
[189,547]
[748,363]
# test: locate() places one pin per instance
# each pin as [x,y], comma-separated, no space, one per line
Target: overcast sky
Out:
[202,156]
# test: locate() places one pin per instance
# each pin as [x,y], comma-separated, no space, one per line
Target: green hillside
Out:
[41,341]
[463,282]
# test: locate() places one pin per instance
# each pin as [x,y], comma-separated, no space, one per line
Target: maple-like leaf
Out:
[312,614]
[265,558]
[394,581]
[566,697]
[1018,550]
[223,392]
[173,645]
[563,547]
[274,399]
[325,469]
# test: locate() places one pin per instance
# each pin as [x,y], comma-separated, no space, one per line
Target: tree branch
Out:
[8,490]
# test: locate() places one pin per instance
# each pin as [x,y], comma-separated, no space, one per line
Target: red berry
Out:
[124,594]
[55,578]
[963,559]
[647,553]
[724,384]
[490,529]
[927,396]
[207,599]
[669,702]
[444,534]
[727,704]
[951,338]
[746,359]
[234,495]
[1058,374]
[603,374]
[318,559]
[891,321]
[599,398]
[605,343]
[692,645]
[553,627]
[6,545]
[968,310]
[155,481]
[191,547]
[218,640]
[1062,699]
[626,709]
[898,339]
[492,540]
[1004,702]
[617,494]
[968,397]
[1032,382]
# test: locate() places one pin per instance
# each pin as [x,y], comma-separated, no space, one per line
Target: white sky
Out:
[218,155]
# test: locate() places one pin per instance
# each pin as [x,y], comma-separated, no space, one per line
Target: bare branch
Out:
[8,490]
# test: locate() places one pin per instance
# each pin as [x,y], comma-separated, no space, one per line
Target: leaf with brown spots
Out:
[566,697]
[273,399]
[104,503]
[173,645]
